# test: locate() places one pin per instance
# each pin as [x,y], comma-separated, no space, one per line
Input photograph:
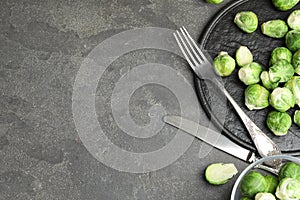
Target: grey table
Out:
[43,44]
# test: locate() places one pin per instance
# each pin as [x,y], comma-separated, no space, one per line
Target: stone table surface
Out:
[43,45]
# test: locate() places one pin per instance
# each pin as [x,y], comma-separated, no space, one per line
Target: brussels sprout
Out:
[282,99]
[294,20]
[272,183]
[224,64]
[279,122]
[246,21]
[297,117]
[288,188]
[220,173]
[250,73]
[252,184]
[256,97]
[294,85]
[284,4]
[281,72]
[280,53]
[243,56]
[266,82]
[276,28]
[245,198]
[214,1]
[296,62]
[289,170]
[292,40]
[264,196]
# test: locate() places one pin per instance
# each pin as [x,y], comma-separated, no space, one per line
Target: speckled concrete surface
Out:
[42,46]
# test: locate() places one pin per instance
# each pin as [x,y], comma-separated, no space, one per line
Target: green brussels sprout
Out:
[214,1]
[282,99]
[284,4]
[289,170]
[280,53]
[272,183]
[294,20]
[294,85]
[246,21]
[243,56]
[224,64]
[288,188]
[264,196]
[297,117]
[266,82]
[281,72]
[253,183]
[250,74]
[245,198]
[279,122]
[292,40]
[296,62]
[276,28]
[256,97]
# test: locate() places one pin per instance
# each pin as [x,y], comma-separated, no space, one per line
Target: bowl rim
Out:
[257,162]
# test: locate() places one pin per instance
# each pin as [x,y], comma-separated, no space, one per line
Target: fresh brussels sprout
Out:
[297,117]
[276,28]
[279,122]
[294,85]
[214,1]
[288,188]
[224,64]
[294,20]
[245,198]
[289,170]
[253,183]
[243,56]
[282,99]
[284,4]
[292,40]
[296,62]
[272,183]
[280,53]
[250,73]
[256,97]
[266,82]
[264,196]
[281,71]
[220,173]
[246,21]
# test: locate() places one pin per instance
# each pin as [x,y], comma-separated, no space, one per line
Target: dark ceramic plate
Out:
[222,34]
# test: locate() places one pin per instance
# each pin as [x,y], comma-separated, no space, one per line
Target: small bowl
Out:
[236,193]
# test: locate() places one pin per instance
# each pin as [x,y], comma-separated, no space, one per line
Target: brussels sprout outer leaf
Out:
[220,173]
[246,21]
[279,122]
[253,183]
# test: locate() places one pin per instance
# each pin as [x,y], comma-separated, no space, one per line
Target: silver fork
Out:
[203,68]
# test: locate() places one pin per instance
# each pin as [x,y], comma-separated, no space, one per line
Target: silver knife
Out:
[211,137]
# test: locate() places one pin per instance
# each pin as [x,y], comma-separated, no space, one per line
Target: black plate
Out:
[222,34]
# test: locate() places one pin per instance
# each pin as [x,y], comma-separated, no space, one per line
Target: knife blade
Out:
[211,137]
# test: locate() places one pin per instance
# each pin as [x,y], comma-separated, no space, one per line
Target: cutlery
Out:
[203,68]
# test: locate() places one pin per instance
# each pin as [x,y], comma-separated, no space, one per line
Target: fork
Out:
[204,69]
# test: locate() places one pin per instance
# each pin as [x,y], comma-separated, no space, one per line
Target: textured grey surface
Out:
[42,46]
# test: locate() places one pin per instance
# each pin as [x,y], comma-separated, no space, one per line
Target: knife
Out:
[211,137]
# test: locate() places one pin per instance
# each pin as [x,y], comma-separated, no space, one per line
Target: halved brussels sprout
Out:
[280,53]
[220,173]
[224,64]
[292,40]
[288,188]
[297,117]
[246,21]
[284,4]
[282,99]
[253,183]
[279,122]
[272,183]
[243,56]
[214,1]
[281,71]
[294,20]
[264,196]
[289,170]
[266,82]
[296,62]
[276,28]
[294,85]
[256,97]
[249,74]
